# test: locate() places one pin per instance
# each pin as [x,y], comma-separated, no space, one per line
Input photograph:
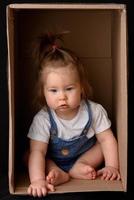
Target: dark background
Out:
[4,193]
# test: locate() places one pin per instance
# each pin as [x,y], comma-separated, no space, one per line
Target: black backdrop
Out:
[4,193]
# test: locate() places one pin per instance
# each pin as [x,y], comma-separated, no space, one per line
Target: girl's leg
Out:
[84,167]
[55,175]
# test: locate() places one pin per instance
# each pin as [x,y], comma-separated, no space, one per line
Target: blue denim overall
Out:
[65,152]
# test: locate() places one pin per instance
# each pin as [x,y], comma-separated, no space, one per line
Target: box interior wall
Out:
[98,37]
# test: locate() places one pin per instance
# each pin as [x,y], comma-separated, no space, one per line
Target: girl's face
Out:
[62,90]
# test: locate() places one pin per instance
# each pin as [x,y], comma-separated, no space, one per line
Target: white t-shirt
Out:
[68,129]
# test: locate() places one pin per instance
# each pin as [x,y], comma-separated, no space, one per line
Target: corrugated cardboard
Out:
[98,35]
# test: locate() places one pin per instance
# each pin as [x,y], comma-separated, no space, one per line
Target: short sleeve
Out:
[101,121]
[39,129]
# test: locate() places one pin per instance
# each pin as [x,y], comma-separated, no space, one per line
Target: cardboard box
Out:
[98,35]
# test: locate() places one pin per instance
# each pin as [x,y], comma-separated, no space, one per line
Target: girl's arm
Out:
[38,186]
[110,151]
[37,160]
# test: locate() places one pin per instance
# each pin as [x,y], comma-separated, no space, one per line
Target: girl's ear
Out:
[82,93]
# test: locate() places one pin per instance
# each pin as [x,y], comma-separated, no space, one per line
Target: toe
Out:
[91,173]
[50,177]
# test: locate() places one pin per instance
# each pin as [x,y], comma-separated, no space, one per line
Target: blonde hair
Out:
[48,51]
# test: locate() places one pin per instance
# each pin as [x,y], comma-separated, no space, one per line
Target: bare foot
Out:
[82,171]
[56,176]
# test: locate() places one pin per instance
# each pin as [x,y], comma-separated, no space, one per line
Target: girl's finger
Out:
[50,187]
[113,177]
[34,192]
[108,176]
[44,191]
[29,190]
[104,175]
[118,177]
[39,192]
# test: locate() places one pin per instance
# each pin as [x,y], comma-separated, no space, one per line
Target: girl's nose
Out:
[62,95]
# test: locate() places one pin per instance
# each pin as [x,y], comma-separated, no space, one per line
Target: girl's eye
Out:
[70,88]
[53,90]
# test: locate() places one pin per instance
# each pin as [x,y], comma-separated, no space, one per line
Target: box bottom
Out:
[74,185]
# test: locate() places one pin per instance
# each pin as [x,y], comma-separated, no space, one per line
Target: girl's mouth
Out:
[63,106]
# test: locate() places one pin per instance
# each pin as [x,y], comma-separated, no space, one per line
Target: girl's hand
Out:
[109,173]
[40,188]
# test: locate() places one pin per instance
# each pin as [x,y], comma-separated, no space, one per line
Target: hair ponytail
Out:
[46,44]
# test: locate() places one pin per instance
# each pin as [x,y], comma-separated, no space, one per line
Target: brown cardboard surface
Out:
[10,38]
[120,88]
[72,186]
[68,6]
[100,41]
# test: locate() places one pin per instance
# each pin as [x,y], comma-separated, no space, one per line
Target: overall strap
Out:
[53,128]
[87,126]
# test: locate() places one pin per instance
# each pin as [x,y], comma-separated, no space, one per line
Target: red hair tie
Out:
[54,47]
